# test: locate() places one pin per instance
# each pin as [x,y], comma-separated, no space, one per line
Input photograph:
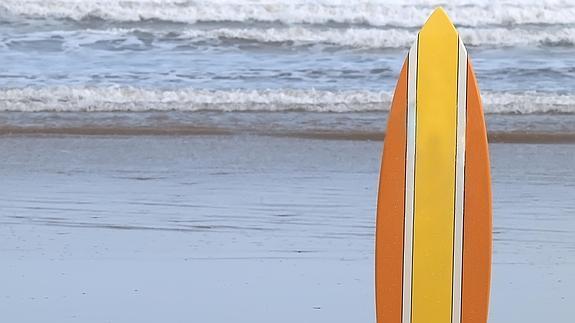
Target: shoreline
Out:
[512,137]
[358,126]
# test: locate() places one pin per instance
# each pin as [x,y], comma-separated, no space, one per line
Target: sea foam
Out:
[116,98]
[365,12]
[355,37]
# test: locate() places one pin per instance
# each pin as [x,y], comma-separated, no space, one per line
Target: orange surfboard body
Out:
[434,218]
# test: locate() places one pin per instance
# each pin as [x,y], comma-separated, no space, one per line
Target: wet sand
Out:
[552,128]
[247,228]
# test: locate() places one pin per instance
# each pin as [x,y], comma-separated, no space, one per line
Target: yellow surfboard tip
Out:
[439,22]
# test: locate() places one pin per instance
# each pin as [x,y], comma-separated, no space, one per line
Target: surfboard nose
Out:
[438,23]
[435,174]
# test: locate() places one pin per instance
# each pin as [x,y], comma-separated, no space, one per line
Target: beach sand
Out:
[247,228]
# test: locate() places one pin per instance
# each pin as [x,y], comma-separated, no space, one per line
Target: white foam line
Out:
[128,98]
[293,36]
[459,184]
[409,183]
[372,12]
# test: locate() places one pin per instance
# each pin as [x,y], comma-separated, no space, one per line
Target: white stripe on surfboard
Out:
[459,184]
[409,182]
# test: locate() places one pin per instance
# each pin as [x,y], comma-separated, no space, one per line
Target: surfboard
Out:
[433,231]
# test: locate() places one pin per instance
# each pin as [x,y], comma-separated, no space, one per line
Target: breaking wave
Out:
[115,98]
[365,12]
[361,38]
[384,38]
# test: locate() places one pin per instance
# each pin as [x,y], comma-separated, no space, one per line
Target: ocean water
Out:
[325,56]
